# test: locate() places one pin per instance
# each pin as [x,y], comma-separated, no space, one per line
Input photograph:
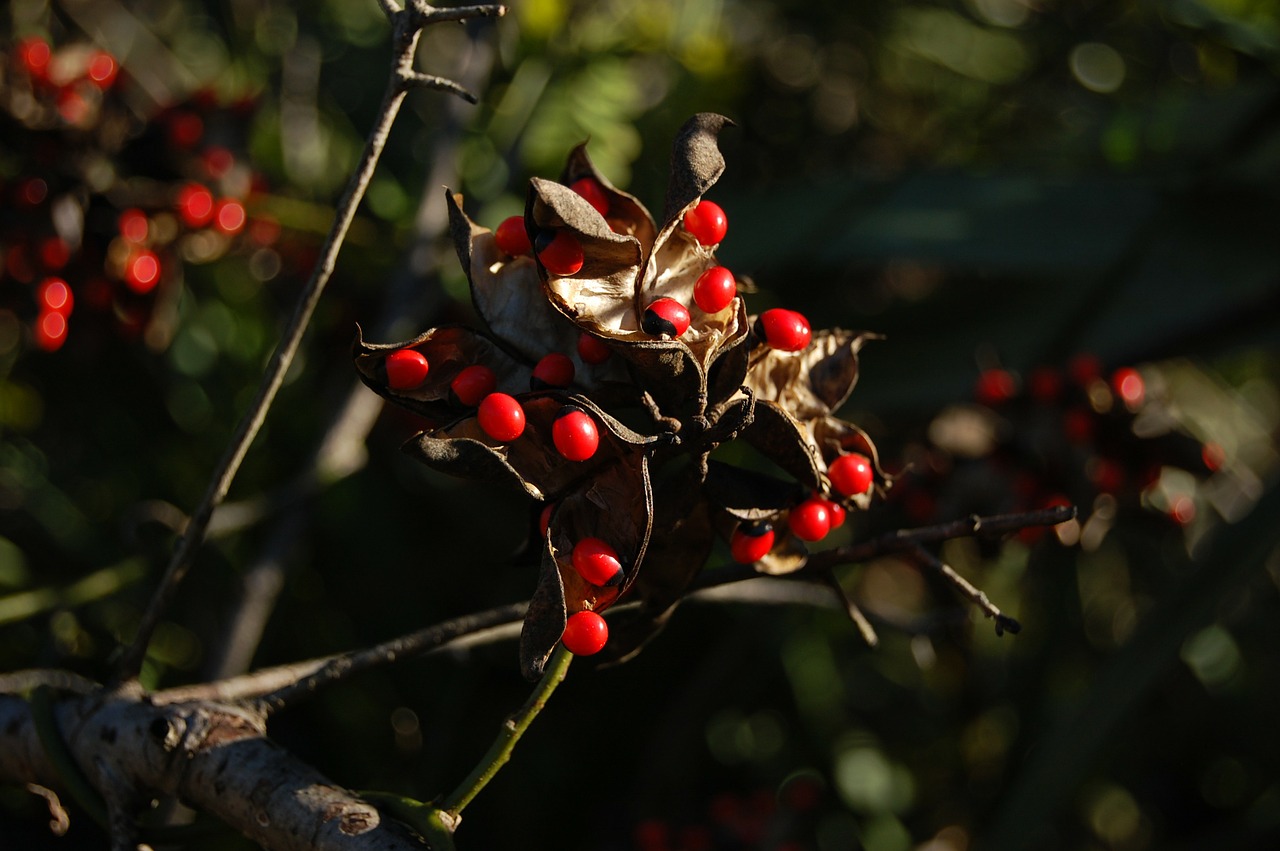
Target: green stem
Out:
[500,751]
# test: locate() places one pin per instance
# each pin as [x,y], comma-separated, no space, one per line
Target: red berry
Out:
[33,55]
[585,633]
[511,237]
[195,205]
[838,514]
[1129,386]
[72,106]
[784,330]
[574,433]
[995,387]
[217,161]
[55,296]
[406,369]
[851,474]
[54,253]
[31,191]
[751,542]
[590,188]
[472,384]
[185,129]
[1183,510]
[102,69]
[501,417]
[560,252]
[544,518]
[133,225]
[811,519]
[229,216]
[142,271]
[593,350]
[554,370]
[50,331]
[1213,456]
[597,562]
[665,317]
[714,290]
[706,222]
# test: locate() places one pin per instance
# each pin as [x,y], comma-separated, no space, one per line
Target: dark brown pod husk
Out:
[626,214]
[811,383]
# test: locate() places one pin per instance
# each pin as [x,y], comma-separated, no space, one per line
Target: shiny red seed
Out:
[751,542]
[995,387]
[560,252]
[501,417]
[406,369]
[511,237]
[714,290]
[229,216]
[590,188]
[665,317]
[50,331]
[585,633]
[195,205]
[1213,456]
[707,223]
[472,384]
[33,56]
[784,330]
[554,370]
[593,350]
[544,518]
[838,514]
[597,562]
[1129,386]
[142,271]
[1183,510]
[811,519]
[851,474]
[55,296]
[574,433]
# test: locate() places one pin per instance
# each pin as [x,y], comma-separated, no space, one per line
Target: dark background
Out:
[987,183]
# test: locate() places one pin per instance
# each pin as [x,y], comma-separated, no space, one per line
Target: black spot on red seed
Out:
[616,579]
[567,410]
[544,238]
[755,530]
[656,325]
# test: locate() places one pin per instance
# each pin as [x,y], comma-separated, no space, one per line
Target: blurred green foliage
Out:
[983,181]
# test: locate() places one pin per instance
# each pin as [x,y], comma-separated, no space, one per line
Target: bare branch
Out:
[418,80]
[859,619]
[1004,623]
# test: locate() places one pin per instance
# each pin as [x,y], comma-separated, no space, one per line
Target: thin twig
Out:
[1004,623]
[856,615]
[343,666]
[500,751]
[408,29]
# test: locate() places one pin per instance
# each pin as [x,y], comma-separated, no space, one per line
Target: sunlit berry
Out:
[1128,385]
[811,519]
[560,252]
[665,317]
[501,417]
[195,205]
[590,189]
[49,331]
[553,371]
[784,330]
[714,290]
[102,69]
[585,633]
[995,387]
[229,216]
[751,542]
[851,474]
[1183,510]
[597,562]
[575,434]
[406,369]
[472,384]
[592,349]
[511,237]
[838,514]
[54,296]
[142,271]
[707,222]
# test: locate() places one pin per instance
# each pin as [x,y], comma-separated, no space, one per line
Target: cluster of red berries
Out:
[605,314]
[171,195]
[1060,437]
[782,820]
